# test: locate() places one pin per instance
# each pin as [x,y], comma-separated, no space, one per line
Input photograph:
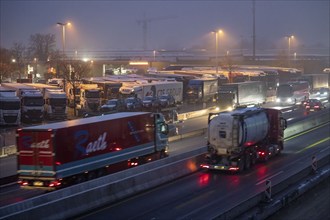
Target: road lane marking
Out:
[309,130]
[325,149]
[313,145]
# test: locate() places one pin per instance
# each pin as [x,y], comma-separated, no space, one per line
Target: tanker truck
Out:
[240,138]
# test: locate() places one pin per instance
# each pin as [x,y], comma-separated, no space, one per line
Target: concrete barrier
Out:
[258,199]
[80,198]
[309,122]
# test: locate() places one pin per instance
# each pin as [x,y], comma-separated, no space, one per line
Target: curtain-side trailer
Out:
[69,152]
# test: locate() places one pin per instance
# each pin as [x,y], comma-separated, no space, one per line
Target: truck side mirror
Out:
[284,123]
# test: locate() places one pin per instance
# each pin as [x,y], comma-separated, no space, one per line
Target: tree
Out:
[6,65]
[19,55]
[41,46]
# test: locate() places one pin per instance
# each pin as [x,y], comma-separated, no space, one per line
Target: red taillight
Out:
[316,106]
[23,183]
[233,168]
[58,163]
[307,106]
[54,183]
[204,166]
[133,164]
[261,153]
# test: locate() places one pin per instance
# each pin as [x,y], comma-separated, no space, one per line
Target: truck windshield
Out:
[284,91]
[57,102]
[33,101]
[10,105]
[92,94]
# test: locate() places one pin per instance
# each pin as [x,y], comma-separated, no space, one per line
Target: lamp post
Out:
[63,35]
[217,32]
[289,48]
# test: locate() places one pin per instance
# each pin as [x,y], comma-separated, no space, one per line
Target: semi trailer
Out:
[232,95]
[238,139]
[32,102]
[58,154]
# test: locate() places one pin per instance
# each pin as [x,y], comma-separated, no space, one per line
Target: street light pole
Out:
[216,49]
[63,35]
[289,48]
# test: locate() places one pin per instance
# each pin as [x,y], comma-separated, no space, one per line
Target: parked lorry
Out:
[232,95]
[92,147]
[90,98]
[109,89]
[55,100]
[10,107]
[201,90]
[156,89]
[238,139]
[32,102]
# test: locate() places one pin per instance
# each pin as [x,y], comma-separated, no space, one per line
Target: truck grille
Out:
[10,119]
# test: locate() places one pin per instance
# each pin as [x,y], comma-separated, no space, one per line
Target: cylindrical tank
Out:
[243,127]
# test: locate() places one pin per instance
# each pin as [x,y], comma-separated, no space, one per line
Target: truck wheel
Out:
[267,156]
[162,154]
[247,161]
[241,164]
[80,179]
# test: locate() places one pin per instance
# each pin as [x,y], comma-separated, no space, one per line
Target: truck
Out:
[10,107]
[315,81]
[109,89]
[240,138]
[232,95]
[55,100]
[59,154]
[292,92]
[154,88]
[90,98]
[202,90]
[32,102]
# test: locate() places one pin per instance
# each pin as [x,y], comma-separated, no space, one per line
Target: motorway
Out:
[203,194]
[197,190]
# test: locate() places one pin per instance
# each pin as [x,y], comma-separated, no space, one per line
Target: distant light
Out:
[139,63]
[85,59]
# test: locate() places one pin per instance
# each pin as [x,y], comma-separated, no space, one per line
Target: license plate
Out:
[38,183]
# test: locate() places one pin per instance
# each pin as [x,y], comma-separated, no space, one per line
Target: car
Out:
[113,105]
[133,104]
[166,100]
[322,93]
[150,102]
[314,105]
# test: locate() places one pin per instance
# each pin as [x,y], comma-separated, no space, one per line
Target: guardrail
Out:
[67,202]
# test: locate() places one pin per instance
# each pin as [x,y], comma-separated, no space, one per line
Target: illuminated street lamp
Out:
[289,48]
[63,34]
[217,32]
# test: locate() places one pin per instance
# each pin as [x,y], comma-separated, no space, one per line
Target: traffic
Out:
[109,135]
